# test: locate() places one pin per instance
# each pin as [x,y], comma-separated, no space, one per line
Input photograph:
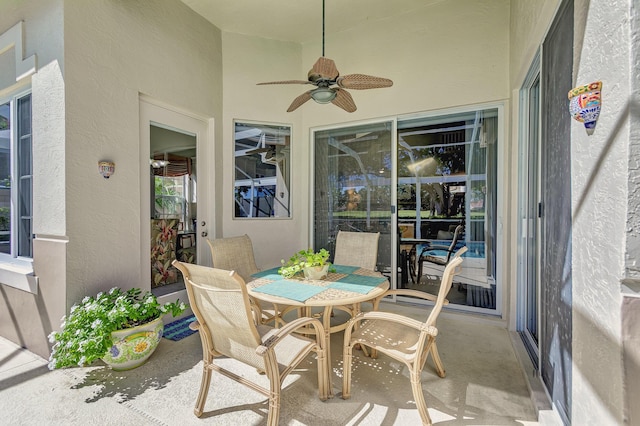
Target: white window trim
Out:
[17,272]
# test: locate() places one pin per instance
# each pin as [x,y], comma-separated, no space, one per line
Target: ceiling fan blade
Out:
[362,81]
[324,68]
[299,101]
[344,100]
[284,82]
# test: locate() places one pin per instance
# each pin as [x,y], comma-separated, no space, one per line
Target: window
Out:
[262,182]
[16,177]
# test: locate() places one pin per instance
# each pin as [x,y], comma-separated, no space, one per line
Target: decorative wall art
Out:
[584,104]
[106,168]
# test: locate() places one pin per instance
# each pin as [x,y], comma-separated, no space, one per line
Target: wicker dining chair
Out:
[357,249]
[404,339]
[220,302]
[236,254]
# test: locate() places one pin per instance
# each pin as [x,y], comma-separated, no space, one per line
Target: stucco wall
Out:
[113,51]
[250,60]
[599,198]
[442,55]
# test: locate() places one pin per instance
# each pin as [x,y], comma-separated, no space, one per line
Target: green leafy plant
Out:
[303,259]
[85,334]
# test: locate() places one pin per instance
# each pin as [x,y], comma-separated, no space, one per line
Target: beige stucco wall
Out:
[247,61]
[439,56]
[95,58]
[113,52]
[599,169]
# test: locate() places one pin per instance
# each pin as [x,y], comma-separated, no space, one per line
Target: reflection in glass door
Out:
[352,184]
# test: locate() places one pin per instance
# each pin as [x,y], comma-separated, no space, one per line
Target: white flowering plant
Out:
[85,334]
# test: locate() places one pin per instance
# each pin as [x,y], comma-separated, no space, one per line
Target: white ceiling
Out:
[299,20]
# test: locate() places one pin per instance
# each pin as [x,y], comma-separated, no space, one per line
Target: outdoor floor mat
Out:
[179,329]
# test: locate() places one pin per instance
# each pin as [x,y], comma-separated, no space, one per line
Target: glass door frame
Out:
[501,176]
[528,257]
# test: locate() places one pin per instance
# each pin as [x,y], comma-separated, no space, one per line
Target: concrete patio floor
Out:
[485,385]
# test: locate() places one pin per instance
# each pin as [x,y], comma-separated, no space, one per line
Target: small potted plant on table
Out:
[314,265]
[122,328]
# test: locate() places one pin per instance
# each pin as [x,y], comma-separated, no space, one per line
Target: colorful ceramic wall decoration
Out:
[584,104]
[106,168]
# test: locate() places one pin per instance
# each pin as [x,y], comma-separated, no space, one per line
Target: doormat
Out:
[179,329]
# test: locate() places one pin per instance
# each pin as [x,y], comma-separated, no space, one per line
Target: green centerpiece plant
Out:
[86,333]
[305,260]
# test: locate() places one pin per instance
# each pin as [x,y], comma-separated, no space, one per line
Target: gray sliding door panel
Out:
[555,343]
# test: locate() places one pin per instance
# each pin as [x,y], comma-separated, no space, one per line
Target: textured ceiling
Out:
[299,20]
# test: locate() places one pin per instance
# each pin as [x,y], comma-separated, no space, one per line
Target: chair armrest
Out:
[407,292]
[292,327]
[390,317]
[430,247]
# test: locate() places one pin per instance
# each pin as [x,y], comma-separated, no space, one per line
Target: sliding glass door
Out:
[353,185]
[424,183]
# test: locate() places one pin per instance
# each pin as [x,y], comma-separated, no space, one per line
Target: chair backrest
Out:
[357,249]
[234,254]
[220,302]
[456,236]
[450,270]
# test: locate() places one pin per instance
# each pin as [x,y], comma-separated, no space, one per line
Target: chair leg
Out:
[346,373]
[274,407]
[419,275]
[324,379]
[416,388]
[204,390]
[437,361]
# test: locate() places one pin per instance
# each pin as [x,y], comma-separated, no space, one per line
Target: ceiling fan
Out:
[330,85]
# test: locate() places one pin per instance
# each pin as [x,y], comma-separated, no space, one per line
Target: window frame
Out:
[16,269]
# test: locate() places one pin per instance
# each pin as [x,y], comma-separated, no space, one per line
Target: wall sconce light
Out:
[106,168]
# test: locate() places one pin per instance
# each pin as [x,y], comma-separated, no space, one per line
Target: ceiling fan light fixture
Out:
[323,95]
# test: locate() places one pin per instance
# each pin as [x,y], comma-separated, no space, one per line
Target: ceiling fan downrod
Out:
[322,27]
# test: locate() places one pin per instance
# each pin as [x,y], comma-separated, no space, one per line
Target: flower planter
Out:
[133,346]
[316,272]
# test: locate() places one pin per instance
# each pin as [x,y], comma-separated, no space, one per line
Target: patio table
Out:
[347,286]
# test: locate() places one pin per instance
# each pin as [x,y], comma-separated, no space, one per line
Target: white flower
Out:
[52,337]
[74,308]
[183,306]
[136,306]
[82,361]
[52,365]
[113,290]
[85,299]
[163,308]
[149,300]
[96,323]
[99,295]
